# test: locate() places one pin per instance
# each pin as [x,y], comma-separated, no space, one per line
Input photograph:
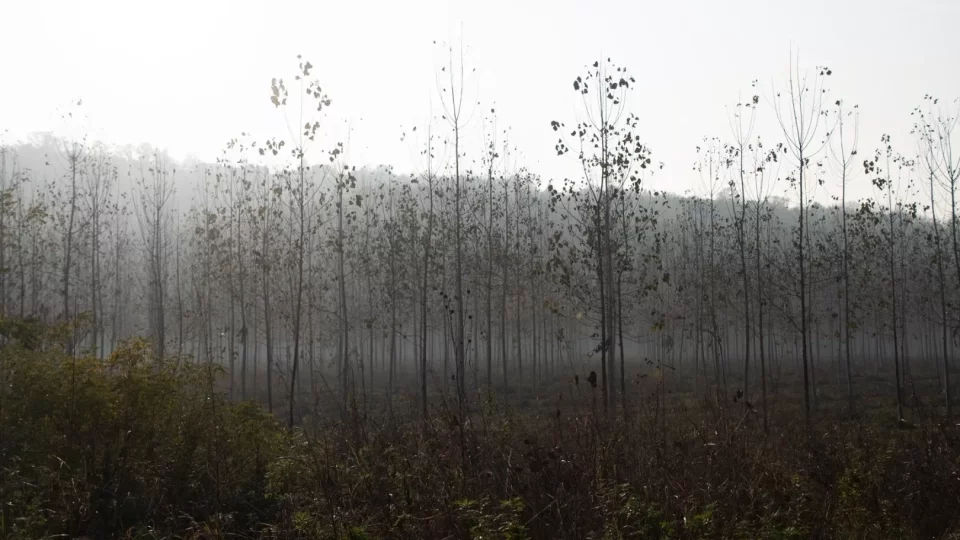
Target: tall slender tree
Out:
[800,120]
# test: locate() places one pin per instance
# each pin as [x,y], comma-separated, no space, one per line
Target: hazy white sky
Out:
[188,75]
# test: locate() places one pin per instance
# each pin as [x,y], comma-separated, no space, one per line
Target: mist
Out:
[542,305]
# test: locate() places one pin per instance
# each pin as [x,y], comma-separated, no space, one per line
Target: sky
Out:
[190,75]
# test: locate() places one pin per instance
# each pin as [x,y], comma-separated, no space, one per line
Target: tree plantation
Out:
[283,344]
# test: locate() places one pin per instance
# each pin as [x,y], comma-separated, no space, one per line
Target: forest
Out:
[281,344]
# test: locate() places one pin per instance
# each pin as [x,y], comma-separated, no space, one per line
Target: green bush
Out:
[94,447]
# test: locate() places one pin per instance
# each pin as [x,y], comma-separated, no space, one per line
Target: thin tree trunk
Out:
[503,303]
[893,311]
[428,242]
[266,319]
[763,367]
[298,303]
[345,322]
[943,298]
[74,158]
[803,298]
[746,286]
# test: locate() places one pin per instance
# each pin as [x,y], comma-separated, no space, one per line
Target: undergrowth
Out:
[132,447]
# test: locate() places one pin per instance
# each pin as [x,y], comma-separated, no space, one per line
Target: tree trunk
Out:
[943,297]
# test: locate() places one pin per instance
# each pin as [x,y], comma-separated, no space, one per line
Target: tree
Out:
[742,133]
[155,190]
[74,152]
[267,209]
[763,162]
[883,182]
[429,177]
[710,163]
[800,121]
[936,129]
[302,196]
[843,160]
[452,100]
[610,153]
[98,200]
[490,157]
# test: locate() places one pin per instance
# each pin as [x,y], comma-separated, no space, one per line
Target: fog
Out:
[429,214]
[436,269]
[332,279]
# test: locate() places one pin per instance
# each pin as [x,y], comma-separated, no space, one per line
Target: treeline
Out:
[305,276]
